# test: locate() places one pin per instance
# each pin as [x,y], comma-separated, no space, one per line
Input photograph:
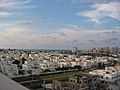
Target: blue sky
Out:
[59,24]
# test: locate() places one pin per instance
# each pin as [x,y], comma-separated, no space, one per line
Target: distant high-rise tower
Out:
[75,49]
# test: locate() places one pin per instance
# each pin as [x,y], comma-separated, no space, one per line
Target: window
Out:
[107,72]
[90,80]
[80,82]
[74,81]
[106,82]
[106,77]
[101,77]
[113,70]
[102,81]
[85,81]
[95,79]
[95,85]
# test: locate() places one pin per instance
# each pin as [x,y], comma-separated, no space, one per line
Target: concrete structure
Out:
[78,81]
[8,84]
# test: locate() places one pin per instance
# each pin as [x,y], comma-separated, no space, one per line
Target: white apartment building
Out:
[10,69]
[109,76]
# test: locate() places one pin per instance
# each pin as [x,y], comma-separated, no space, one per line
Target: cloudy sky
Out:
[59,24]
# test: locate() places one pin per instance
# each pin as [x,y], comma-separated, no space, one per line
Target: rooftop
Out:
[7,84]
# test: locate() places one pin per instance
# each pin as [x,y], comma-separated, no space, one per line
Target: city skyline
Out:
[59,24]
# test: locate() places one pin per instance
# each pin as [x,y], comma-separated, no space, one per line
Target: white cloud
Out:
[13,3]
[102,10]
[5,14]
[93,16]
[111,9]
[94,1]
[11,32]
[10,7]
[117,27]
[85,36]
[23,38]
[72,26]
[3,24]
[16,24]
